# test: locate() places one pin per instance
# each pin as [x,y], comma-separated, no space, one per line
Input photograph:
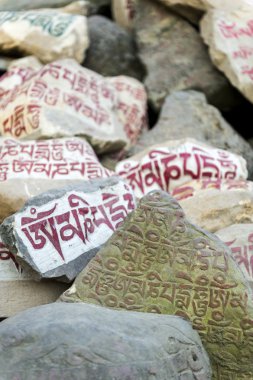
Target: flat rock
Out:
[39,32]
[124,12]
[191,188]
[203,122]
[175,162]
[112,49]
[142,346]
[214,209]
[228,33]
[18,291]
[239,238]
[207,4]
[58,232]
[175,57]
[159,262]
[32,167]
[66,99]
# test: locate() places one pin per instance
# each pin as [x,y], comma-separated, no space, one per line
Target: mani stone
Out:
[124,12]
[159,262]
[228,33]
[112,50]
[17,289]
[175,162]
[80,342]
[32,167]
[203,122]
[191,188]
[239,238]
[58,232]
[64,99]
[214,209]
[175,57]
[49,35]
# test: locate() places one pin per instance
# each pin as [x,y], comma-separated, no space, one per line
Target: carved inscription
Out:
[158,262]
[166,168]
[71,158]
[63,229]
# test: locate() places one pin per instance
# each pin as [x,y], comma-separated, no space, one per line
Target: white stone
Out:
[239,238]
[173,163]
[29,168]
[229,33]
[47,35]
[65,99]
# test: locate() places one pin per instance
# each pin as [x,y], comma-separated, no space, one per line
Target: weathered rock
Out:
[159,262]
[203,122]
[21,5]
[175,57]
[193,15]
[39,33]
[124,12]
[175,162]
[18,291]
[214,209]
[228,33]
[199,4]
[239,238]
[112,50]
[71,342]
[65,99]
[58,232]
[30,168]
[207,4]
[191,188]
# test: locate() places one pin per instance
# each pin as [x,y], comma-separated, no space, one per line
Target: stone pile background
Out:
[126,181]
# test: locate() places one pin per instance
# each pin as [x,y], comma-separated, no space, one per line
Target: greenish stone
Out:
[159,262]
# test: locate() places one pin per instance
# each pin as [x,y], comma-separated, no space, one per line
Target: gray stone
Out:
[82,341]
[175,57]
[203,122]
[58,232]
[112,50]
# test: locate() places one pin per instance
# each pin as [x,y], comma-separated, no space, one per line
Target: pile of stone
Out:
[126,190]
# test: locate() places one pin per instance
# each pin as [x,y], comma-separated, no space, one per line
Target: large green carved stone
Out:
[159,262]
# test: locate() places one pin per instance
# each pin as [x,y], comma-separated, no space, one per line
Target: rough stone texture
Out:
[229,37]
[239,238]
[193,15]
[124,12]
[199,4]
[175,162]
[214,209]
[175,57]
[203,122]
[58,232]
[112,50]
[38,33]
[207,4]
[191,188]
[30,168]
[18,291]
[159,262]
[66,99]
[80,342]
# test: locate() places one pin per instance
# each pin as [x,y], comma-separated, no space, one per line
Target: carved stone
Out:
[39,32]
[17,289]
[211,128]
[80,342]
[175,57]
[228,33]
[175,162]
[64,99]
[58,232]
[159,262]
[239,238]
[32,167]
